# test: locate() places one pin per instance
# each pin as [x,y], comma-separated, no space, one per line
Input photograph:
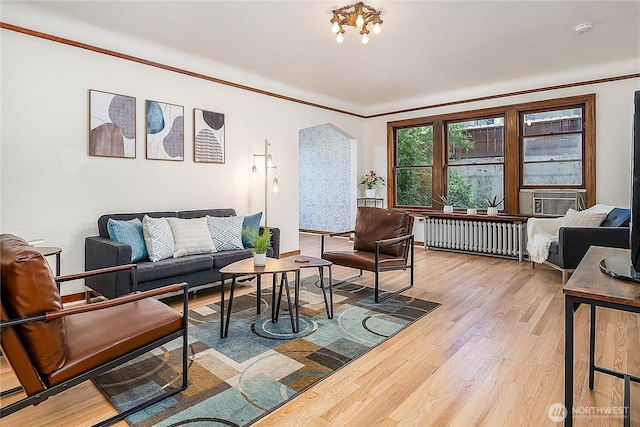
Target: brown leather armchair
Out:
[51,348]
[382,241]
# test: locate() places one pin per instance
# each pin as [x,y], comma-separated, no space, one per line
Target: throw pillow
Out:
[574,218]
[129,232]
[226,232]
[158,238]
[251,222]
[190,236]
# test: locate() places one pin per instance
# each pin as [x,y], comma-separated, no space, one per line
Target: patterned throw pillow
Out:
[129,232]
[226,232]
[574,218]
[251,222]
[158,238]
[190,236]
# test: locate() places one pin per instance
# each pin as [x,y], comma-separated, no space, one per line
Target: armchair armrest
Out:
[394,239]
[573,242]
[51,315]
[275,241]
[340,233]
[101,252]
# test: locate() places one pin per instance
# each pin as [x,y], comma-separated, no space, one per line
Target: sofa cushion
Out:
[29,289]
[158,238]
[574,218]
[618,217]
[224,258]
[226,232]
[104,219]
[170,267]
[190,236]
[252,224]
[129,232]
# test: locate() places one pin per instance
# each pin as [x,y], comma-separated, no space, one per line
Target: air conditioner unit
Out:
[551,202]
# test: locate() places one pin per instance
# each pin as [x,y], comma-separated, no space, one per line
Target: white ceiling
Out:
[425,47]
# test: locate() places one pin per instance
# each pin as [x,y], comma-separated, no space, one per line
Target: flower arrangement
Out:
[371,180]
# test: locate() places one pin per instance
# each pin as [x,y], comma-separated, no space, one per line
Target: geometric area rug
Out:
[236,380]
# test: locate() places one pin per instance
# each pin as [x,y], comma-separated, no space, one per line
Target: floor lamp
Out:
[268,164]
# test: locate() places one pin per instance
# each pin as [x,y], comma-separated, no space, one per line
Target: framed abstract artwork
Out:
[112,125]
[208,136]
[165,131]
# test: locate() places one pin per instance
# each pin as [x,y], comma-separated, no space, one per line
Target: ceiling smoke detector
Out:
[583,27]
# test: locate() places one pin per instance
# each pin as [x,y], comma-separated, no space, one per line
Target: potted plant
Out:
[471,210]
[260,245]
[371,180]
[492,205]
[447,203]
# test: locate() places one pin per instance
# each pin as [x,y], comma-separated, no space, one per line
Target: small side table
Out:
[48,251]
[273,266]
[308,262]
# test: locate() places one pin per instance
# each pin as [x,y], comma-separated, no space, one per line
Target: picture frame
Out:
[208,136]
[165,131]
[112,125]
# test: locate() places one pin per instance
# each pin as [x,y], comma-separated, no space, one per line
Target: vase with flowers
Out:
[371,181]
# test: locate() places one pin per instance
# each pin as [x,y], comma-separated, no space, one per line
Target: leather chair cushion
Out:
[99,336]
[361,260]
[617,217]
[376,224]
[28,289]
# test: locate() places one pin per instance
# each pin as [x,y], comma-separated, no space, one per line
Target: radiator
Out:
[496,238]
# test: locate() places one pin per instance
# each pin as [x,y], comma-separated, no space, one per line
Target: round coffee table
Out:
[273,266]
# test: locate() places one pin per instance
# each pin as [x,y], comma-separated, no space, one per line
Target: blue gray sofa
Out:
[196,270]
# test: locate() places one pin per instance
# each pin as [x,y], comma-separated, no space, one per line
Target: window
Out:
[475,162]
[414,166]
[552,148]
[471,156]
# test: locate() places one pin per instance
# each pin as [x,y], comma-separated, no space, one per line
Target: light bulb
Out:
[377,28]
[365,38]
[269,161]
[340,38]
[336,27]
[254,173]
[275,185]
[360,21]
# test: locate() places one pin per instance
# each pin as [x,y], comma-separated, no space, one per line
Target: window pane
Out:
[559,121]
[413,187]
[415,146]
[470,186]
[476,141]
[553,160]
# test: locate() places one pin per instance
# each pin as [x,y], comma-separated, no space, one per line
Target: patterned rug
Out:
[235,380]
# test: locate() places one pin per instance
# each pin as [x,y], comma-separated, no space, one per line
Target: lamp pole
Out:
[267,165]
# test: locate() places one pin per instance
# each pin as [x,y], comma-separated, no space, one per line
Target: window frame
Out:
[513,166]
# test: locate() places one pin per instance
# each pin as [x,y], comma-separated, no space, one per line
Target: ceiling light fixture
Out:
[583,27]
[356,15]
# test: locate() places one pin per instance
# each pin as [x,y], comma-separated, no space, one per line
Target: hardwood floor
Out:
[491,355]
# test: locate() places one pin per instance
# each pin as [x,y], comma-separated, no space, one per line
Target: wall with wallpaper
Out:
[327,175]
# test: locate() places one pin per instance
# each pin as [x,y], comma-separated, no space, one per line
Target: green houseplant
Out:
[447,203]
[492,205]
[260,244]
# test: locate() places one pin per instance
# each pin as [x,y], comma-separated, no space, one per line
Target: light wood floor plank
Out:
[491,355]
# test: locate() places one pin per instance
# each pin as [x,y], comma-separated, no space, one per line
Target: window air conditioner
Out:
[551,202]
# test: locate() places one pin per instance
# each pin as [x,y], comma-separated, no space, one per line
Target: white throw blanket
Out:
[542,232]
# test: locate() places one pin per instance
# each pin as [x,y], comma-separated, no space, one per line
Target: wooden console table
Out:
[501,236]
[588,285]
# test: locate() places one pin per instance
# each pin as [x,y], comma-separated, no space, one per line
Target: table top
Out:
[273,265]
[311,261]
[48,250]
[589,282]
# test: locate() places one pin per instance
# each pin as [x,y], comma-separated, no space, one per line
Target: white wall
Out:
[614,115]
[51,189]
